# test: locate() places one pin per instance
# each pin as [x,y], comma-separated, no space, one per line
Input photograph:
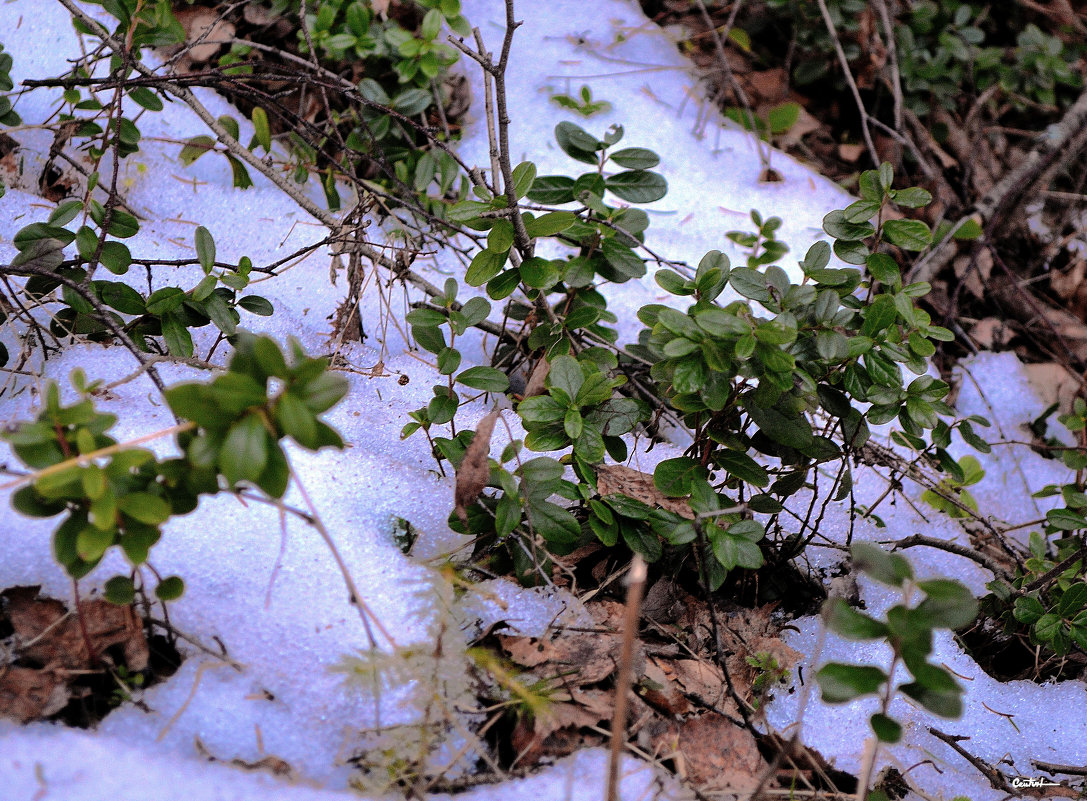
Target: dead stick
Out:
[1059,143]
[635,587]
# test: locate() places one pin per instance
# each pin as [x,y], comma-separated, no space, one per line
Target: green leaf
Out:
[573,424]
[938,693]
[539,273]
[637,186]
[566,375]
[195,148]
[261,132]
[948,604]
[847,622]
[969,229]
[550,190]
[879,316]
[887,568]
[146,98]
[500,239]
[883,268]
[907,234]
[742,466]
[913,197]
[841,683]
[487,379]
[164,300]
[1065,519]
[257,305]
[886,729]
[783,117]
[555,524]
[220,313]
[145,507]
[239,173]
[297,420]
[119,590]
[577,143]
[524,174]
[551,223]
[484,266]
[120,296]
[448,361]
[736,551]
[65,212]
[623,259]
[91,543]
[673,477]
[504,284]
[1073,600]
[635,158]
[323,392]
[244,452]
[176,335]
[170,588]
[851,251]
[412,101]
[115,257]
[205,248]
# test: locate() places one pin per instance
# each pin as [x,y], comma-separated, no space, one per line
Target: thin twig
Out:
[849,80]
[631,615]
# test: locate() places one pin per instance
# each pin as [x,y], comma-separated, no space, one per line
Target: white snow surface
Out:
[277,601]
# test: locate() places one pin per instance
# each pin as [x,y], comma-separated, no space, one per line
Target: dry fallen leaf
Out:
[475,470]
[55,636]
[205,23]
[720,756]
[537,378]
[617,479]
[28,694]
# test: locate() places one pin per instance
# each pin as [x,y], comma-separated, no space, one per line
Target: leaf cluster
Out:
[117,495]
[907,629]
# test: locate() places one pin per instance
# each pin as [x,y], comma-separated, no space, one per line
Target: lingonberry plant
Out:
[113,494]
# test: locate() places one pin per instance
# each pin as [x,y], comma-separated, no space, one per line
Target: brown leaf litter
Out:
[681,710]
[49,650]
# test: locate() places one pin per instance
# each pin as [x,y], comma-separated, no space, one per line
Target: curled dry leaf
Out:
[207,25]
[475,470]
[28,694]
[54,636]
[535,385]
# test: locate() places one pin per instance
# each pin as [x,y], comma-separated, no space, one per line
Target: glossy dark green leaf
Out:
[637,186]
[673,477]
[205,248]
[176,335]
[635,158]
[886,729]
[739,464]
[257,305]
[907,234]
[552,190]
[487,379]
[551,223]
